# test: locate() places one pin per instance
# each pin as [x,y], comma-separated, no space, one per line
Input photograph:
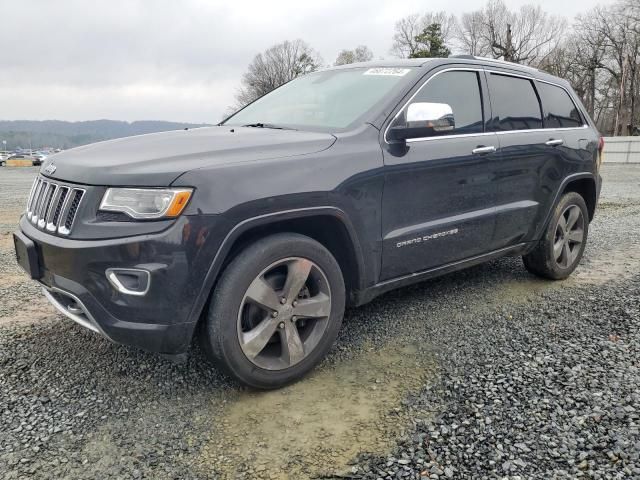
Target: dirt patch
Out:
[14,279]
[596,268]
[316,427]
[36,311]
[9,219]
[614,264]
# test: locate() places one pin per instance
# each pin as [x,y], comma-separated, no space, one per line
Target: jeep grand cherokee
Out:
[254,235]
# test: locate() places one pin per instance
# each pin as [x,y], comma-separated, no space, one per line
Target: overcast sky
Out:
[177,60]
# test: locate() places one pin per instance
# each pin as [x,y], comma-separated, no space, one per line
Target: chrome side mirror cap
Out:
[437,117]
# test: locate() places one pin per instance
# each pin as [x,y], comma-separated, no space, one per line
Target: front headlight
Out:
[146,203]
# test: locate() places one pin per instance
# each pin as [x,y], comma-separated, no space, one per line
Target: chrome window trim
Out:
[443,137]
[533,79]
[538,130]
[502,132]
[510,74]
[582,114]
[452,69]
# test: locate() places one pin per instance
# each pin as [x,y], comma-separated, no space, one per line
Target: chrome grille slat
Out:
[46,202]
[43,200]
[54,209]
[64,192]
[31,192]
[36,204]
[69,214]
[36,192]
[52,206]
[32,200]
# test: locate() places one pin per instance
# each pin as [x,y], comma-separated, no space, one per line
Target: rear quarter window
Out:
[559,109]
[514,103]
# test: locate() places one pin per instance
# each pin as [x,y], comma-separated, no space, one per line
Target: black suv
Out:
[254,235]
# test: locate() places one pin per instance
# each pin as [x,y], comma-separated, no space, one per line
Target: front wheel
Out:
[276,311]
[559,251]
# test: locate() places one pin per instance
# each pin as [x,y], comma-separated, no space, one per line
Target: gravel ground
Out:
[485,373]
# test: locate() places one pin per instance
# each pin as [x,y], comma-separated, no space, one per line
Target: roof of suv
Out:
[459,59]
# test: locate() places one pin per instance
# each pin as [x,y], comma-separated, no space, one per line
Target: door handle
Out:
[483,150]
[554,142]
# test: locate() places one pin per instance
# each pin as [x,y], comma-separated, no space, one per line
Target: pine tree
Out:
[431,43]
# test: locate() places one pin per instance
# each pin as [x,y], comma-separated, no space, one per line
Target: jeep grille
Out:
[53,207]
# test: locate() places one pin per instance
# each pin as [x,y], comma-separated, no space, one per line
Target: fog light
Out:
[130,281]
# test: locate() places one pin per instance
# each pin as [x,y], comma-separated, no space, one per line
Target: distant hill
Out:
[60,134]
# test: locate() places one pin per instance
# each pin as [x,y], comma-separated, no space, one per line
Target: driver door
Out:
[438,201]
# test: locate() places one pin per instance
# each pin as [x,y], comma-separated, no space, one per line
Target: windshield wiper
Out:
[267,125]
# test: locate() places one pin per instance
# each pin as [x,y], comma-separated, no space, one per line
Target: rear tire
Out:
[559,251]
[275,312]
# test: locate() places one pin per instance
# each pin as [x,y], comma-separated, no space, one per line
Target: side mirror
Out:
[424,120]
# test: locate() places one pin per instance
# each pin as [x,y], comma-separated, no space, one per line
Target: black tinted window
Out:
[514,103]
[461,91]
[559,109]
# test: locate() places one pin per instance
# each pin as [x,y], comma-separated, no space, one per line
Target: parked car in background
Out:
[38,158]
[340,185]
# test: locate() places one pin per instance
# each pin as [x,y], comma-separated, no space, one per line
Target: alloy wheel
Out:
[284,313]
[569,236]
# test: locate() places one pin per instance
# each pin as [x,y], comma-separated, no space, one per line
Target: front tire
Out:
[559,251]
[276,311]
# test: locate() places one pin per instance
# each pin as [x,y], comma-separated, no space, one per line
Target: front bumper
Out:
[73,274]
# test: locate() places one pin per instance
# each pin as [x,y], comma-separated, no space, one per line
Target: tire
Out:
[562,230]
[249,300]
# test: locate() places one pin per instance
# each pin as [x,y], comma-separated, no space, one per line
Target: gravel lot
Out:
[486,373]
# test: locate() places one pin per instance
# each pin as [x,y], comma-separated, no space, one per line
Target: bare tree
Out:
[470,34]
[407,29]
[524,36]
[362,53]
[274,67]
[617,29]
[599,53]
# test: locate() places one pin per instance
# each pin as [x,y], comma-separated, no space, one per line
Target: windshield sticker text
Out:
[396,72]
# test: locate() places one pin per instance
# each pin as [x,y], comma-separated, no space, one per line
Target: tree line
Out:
[598,52]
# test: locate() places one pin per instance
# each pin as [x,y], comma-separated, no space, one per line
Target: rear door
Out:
[563,117]
[529,162]
[437,204]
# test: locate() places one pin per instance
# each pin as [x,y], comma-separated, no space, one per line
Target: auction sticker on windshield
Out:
[396,72]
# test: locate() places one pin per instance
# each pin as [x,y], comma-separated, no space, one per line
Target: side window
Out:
[559,109]
[514,103]
[461,91]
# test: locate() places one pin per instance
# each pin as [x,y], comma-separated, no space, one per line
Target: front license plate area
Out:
[27,255]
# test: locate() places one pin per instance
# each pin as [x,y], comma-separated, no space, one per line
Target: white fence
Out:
[622,150]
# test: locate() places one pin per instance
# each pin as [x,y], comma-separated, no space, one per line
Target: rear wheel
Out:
[276,311]
[559,251]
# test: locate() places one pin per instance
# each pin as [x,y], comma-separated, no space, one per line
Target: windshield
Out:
[330,99]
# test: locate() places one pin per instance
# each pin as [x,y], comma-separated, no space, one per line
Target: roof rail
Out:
[493,60]
[468,57]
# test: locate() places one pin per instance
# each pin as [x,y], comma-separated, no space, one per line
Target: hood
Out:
[157,159]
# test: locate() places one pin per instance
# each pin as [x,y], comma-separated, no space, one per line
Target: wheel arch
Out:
[586,188]
[330,226]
